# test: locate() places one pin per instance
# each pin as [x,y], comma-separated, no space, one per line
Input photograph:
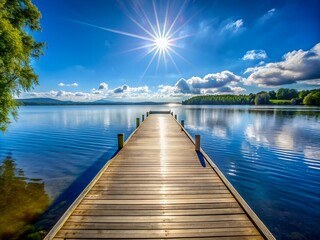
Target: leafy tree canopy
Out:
[312,98]
[286,93]
[262,98]
[18,18]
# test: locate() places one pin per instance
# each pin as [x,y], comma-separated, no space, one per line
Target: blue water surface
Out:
[270,154]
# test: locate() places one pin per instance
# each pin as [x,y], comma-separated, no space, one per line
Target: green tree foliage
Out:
[261,98]
[313,98]
[18,18]
[302,94]
[273,95]
[286,94]
[220,100]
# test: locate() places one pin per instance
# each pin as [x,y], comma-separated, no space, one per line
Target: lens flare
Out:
[162,43]
[161,36]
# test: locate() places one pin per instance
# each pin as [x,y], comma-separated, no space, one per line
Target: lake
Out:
[270,154]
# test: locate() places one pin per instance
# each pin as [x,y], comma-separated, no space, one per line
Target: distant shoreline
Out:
[54,102]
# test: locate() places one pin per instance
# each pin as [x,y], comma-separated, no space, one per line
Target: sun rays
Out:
[160,35]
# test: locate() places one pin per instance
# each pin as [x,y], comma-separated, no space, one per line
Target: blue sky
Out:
[109,49]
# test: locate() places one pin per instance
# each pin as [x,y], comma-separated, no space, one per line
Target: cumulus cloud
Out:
[183,86]
[68,85]
[120,89]
[211,83]
[103,86]
[224,90]
[144,89]
[297,66]
[255,54]
[126,89]
[166,89]
[214,80]
[234,26]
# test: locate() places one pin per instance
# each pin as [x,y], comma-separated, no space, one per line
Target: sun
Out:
[162,43]
[160,33]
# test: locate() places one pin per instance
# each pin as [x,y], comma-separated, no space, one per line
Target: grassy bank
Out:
[280,102]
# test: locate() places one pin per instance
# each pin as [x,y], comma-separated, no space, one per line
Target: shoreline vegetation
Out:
[283,96]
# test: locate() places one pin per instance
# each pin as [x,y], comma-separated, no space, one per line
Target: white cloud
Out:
[144,89]
[166,89]
[234,26]
[213,83]
[271,12]
[297,66]
[129,90]
[267,15]
[312,82]
[103,86]
[182,86]
[120,89]
[255,54]
[68,85]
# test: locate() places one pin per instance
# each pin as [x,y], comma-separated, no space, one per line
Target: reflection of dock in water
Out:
[158,186]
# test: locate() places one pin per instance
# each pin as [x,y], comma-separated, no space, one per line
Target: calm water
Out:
[271,156]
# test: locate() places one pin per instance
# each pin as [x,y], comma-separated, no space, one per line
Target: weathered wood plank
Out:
[79,233]
[167,196]
[190,212]
[157,201]
[160,226]
[184,206]
[148,219]
[130,191]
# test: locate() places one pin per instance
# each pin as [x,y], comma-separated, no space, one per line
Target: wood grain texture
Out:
[157,188]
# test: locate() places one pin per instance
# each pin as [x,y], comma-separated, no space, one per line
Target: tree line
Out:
[281,96]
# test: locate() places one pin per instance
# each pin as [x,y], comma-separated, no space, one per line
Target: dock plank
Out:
[157,188]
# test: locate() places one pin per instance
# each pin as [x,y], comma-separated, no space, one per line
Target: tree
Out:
[302,94]
[286,94]
[312,98]
[273,95]
[18,18]
[262,98]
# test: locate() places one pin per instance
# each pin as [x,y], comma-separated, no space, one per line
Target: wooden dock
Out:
[159,187]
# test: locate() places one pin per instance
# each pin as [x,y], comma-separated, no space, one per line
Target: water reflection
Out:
[271,156]
[22,200]
[287,129]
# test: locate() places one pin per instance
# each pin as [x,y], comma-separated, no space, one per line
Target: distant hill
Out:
[50,101]
[103,101]
[43,101]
